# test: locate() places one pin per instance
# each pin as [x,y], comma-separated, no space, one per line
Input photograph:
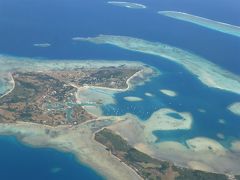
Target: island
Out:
[168,92]
[47,104]
[235,108]
[204,22]
[42,45]
[127,4]
[210,74]
[133,99]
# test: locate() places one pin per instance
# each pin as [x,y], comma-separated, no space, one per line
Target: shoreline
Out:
[210,75]
[77,139]
[39,140]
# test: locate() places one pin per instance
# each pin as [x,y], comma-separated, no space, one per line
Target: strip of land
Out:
[209,74]
[127,4]
[146,166]
[204,22]
[42,45]
[168,92]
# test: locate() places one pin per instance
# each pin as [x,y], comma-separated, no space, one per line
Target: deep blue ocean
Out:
[39,21]
[19,161]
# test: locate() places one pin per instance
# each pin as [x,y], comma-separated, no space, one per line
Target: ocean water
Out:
[57,21]
[19,161]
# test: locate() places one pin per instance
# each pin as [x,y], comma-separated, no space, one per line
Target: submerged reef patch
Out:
[204,22]
[165,119]
[235,108]
[133,99]
[205,144]
[42,45]
[127,4]
[209,74]
[148,94]
[168,92]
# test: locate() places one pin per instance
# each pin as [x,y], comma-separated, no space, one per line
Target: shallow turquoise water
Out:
[192,96]
[57,21]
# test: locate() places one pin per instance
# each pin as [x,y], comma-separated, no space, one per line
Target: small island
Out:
[168,92]
[127,4]
[204,22]
[235,108]
[42,45]
[133,99]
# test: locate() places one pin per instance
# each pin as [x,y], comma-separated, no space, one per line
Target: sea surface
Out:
[20,161]
[25,23]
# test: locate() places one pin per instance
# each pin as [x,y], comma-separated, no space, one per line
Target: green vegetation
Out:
[188,174]
[146,166]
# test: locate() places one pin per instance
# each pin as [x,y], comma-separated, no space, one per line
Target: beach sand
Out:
[133,99]
[168,92]
[160,120]
[235,108]
[209,74]
[77,140]
[217,159]
[235,146]
[204,144]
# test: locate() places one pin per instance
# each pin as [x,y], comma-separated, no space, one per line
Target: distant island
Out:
[207,23]
[127,4]
[42,45]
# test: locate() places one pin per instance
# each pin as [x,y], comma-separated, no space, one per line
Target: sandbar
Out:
[222,121]
[161,120]
[235,108]
[127,4]
[209,74]
[204,22]
[199,166]
[220,135]
[133,99]
[235,146]
[203,144]
[42,45]
[148,94]
[168,92]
